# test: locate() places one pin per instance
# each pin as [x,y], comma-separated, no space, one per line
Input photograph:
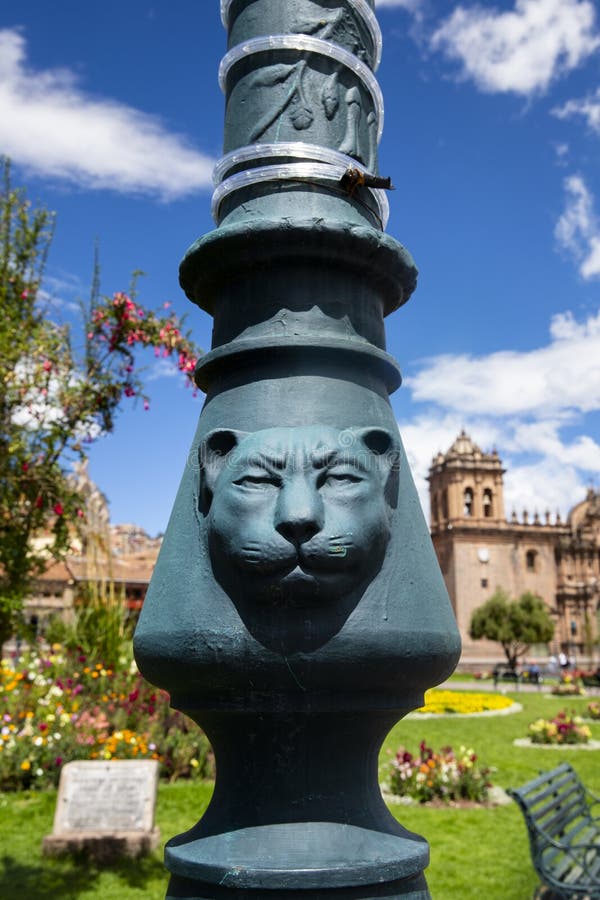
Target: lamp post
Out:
[297,610]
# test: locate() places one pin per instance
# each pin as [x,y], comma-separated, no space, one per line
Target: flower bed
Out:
[593,710]
[56,707]
[568,687]
[562,729]
[442,702]
[446,776]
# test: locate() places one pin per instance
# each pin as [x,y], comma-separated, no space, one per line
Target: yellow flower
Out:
[466,702]
[26,765]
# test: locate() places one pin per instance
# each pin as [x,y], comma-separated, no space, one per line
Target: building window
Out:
[484,582]
[445,504]
[488,508]
[468,503]
[531,560]
[434,509]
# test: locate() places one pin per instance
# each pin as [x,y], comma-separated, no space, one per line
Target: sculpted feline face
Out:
[297,515]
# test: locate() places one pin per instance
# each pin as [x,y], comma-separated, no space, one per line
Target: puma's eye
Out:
[341,478]
[257,481]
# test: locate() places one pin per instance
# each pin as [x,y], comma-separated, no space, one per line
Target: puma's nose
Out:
[299,512]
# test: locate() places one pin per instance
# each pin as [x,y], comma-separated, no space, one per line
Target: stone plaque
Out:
[105,803]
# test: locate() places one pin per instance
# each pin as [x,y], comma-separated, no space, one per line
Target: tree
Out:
[60,389]
[516,624]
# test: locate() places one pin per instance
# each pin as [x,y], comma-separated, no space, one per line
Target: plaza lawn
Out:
[475,852]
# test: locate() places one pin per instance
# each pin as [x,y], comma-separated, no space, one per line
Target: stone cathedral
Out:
[479,549]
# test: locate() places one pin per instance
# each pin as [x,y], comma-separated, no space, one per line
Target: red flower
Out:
[58,509]
[25,467]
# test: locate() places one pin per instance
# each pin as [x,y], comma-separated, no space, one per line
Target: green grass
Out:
[484,853]
[475,853]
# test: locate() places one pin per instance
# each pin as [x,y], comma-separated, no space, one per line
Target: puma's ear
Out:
[385,446]
[213,454]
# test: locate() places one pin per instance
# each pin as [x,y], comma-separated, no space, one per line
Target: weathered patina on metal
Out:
[297,610]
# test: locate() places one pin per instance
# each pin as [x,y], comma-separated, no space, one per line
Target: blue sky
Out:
[113,117]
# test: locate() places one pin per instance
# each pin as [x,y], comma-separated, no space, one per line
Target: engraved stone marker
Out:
[105,809]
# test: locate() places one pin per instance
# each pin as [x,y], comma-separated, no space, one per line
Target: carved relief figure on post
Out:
[297,516]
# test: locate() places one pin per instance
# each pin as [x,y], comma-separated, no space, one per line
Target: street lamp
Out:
[297,610]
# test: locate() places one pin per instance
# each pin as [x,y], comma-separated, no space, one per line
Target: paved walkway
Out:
[509,687]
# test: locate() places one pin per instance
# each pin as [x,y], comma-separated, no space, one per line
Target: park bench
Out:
[564,836]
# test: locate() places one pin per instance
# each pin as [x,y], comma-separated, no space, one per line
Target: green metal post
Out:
[297,610]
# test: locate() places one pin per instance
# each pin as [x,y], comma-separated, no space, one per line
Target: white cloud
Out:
[410,5]
[578,229]
[559,379]
[52,128]
[521,51]
[548,485]
[588,108]
[522,404]
[165,367]
[544,438]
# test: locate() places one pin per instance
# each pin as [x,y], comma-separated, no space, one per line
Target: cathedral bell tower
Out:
[465,486]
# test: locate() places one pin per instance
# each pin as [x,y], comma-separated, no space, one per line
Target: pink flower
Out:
[47,365]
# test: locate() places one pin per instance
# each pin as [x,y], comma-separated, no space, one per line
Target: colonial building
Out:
[118,558]
[480,550]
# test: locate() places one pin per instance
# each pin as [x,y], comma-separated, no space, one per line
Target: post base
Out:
[298,859]
[406,889]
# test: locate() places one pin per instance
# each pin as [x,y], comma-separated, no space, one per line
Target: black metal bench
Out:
[563,834]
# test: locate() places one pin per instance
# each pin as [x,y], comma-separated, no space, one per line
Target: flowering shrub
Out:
[594,710]
[443,776]
[465,702]
[58,707]
[121,324]
[562,729]
[569,687]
